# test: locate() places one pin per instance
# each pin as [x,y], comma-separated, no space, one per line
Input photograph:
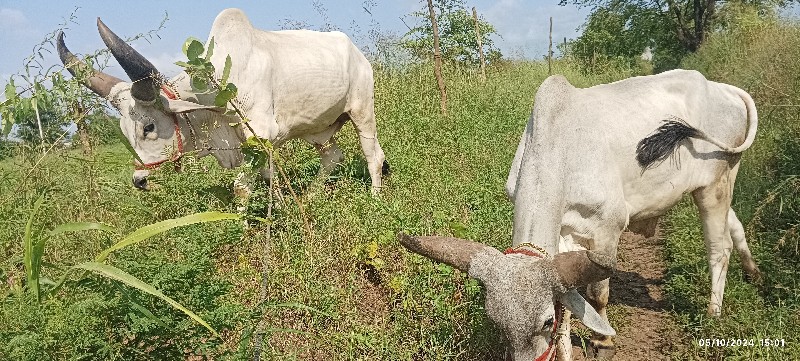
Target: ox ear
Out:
[580,268]
[182,106]
[450,250]
[574,302]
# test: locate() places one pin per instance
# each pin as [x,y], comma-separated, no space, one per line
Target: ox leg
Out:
[714,202]
[242,190]
[737,235]
[600,346]
[376,159]
[564,346]
[330,156]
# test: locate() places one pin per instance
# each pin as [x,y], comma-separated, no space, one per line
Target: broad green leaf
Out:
[199,84]
[194,50]
[80,226]
[31,259]
[128,279]
[182,64]
[11,90]
[8,122]
[35,104]
[225,95]
[146,313]
[210,50]
[185,47]
[226,71]
[153,229]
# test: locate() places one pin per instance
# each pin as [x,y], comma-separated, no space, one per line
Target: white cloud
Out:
[10,19]
[14,23]
[165,63]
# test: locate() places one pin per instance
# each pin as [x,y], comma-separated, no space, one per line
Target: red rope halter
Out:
[548,354]
[179,154]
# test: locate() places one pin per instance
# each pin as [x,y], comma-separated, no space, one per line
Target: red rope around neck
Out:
[548,354]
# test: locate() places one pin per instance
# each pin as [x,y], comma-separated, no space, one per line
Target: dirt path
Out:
[638,309]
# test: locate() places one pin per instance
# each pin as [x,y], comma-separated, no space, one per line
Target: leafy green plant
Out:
[457,34]
[34,251]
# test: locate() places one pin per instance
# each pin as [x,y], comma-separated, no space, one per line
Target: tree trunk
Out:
[480,44]
[83,130]
[437,59]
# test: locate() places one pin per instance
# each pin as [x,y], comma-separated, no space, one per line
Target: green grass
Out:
[362,295]
[347,290]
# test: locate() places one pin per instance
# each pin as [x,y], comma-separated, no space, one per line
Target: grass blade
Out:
[126,143]
[81,226]
[163,226]
[33,252]
[128,279]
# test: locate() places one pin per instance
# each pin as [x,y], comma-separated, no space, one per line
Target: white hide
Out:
[575,179]
[291,84]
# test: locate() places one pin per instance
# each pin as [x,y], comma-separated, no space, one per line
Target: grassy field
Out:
[347,290]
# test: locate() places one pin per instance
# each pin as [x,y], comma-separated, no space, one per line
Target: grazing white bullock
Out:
[590,163]
[291,84]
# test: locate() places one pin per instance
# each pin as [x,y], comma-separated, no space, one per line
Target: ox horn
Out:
[98,82]
[139,69]
[453,251]
[580,268]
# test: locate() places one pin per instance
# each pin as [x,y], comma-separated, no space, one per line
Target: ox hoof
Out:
[753,276]
[385,169]
[601,352]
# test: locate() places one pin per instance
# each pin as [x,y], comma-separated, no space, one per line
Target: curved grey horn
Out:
[580,268]
[98,82]
[139,69]
[453,251]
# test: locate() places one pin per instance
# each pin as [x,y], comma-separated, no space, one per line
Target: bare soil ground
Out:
[646,329]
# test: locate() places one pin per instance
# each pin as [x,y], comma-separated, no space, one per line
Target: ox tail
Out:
[664,141]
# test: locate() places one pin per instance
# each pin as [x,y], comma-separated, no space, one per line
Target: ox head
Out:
[521,290]
[147,118]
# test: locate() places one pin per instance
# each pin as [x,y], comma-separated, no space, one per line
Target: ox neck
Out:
[539,199]
[207,132]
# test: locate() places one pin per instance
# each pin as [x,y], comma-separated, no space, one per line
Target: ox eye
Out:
[149,128]
[548,324]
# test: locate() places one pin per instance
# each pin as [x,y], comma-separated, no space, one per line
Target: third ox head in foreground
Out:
[591,163]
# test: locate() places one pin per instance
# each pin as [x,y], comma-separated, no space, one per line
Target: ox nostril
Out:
[140,182]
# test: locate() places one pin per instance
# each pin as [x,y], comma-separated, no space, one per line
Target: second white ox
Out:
[591,163]
[291,84]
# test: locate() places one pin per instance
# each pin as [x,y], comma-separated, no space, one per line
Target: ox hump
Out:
[230,19]
[552,97]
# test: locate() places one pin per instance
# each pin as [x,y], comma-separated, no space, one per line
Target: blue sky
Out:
[523,24]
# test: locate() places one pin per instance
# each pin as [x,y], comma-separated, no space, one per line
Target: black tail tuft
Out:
[663,142]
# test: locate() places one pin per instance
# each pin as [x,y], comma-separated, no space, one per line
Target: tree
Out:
[457,34]
[38,111]
[622,29]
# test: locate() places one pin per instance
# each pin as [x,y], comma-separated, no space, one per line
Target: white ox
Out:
[591,163]
[291,84]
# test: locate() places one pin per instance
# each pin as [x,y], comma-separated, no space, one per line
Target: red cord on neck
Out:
[550,353]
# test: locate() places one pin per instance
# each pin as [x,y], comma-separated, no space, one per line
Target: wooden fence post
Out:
[437,59]
[480,44]
[550,50]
